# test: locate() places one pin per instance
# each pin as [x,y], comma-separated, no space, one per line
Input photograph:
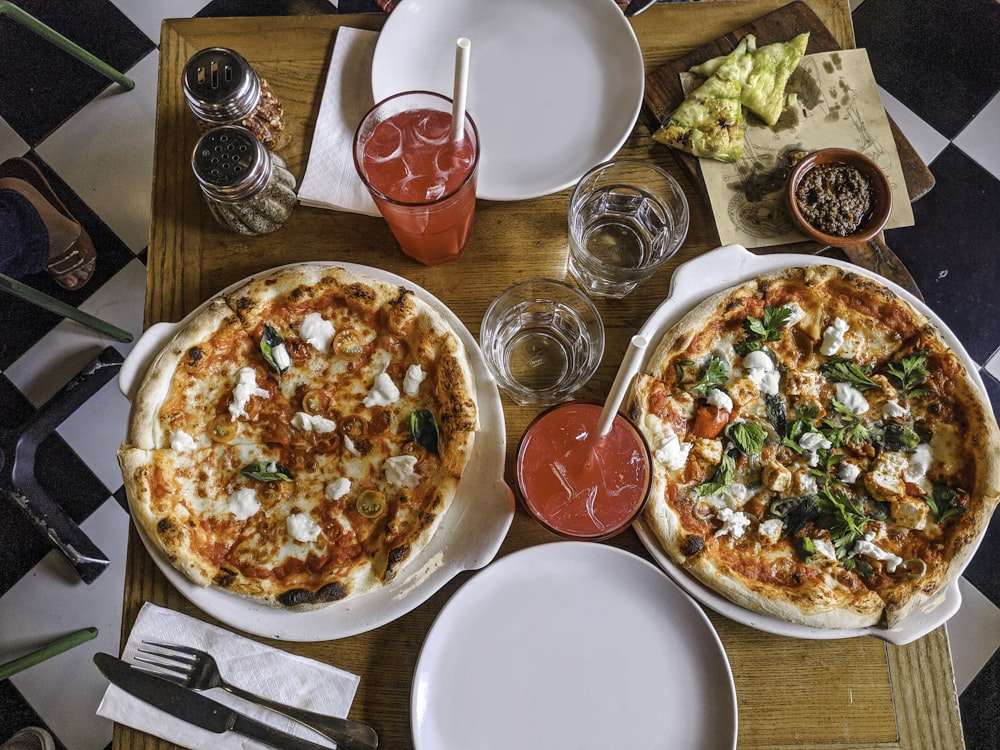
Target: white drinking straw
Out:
[628,368]
[462,47]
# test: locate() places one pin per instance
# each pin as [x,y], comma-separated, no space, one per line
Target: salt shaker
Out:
[248,189]
[222,88]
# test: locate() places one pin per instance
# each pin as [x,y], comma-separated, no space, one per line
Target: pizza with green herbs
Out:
[821,455]
[299,439]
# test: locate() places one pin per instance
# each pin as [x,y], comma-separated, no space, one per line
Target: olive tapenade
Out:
[835,198]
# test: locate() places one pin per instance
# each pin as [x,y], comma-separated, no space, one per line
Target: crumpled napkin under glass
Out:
[261,669]
[330,179]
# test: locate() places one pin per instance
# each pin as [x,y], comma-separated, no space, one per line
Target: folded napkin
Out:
[261,669]
[330,180]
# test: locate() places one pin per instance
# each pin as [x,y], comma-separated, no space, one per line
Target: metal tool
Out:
[44,301]
[195,709]
[197,670]
[635,7]
[18,480]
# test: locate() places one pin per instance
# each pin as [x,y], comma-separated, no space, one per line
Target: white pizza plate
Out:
[572,645]
[695,281]
[555,87]
[468,538]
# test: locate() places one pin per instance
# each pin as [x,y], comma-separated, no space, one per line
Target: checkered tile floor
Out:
[940,78]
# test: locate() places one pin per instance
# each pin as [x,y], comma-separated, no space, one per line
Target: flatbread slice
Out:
[763,92]
[709,122]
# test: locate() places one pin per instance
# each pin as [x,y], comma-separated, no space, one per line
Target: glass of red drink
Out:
[577,483]
[422,180]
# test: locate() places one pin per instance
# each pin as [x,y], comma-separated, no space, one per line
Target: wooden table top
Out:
[820,694]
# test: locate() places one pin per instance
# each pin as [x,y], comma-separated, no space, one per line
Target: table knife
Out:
[635,7]
[193,708]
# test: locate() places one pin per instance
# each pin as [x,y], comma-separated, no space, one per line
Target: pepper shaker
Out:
[248,189]
[222,88]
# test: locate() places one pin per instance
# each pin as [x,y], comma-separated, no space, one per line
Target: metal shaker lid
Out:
[220,85]
[230,164]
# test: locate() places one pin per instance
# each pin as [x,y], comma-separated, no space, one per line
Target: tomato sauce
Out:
[577,484]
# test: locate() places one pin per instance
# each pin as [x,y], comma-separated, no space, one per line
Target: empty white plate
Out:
[572,645]
[555,87]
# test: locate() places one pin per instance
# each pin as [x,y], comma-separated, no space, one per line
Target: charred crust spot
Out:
[398,554]
[692,545]
[244,303]
[296,294]
[331,592]
[194,355]
[224,578]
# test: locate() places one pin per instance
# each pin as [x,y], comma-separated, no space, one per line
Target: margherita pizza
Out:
[300,438]
[820,454]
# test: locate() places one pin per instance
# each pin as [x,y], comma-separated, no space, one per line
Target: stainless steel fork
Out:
[196,669]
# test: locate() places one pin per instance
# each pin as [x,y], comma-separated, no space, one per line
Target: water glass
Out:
[542,340]
[626,218]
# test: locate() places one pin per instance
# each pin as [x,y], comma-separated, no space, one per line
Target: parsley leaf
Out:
[845,370]
[714,375]
[943,503]
[842,518]
[723,477]
[803,423]
[761,330]
[909,373]
[844,427]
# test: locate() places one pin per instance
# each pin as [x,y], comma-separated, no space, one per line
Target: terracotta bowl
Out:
[873,222]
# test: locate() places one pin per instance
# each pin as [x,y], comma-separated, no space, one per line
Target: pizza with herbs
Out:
[299,439]
[821,455]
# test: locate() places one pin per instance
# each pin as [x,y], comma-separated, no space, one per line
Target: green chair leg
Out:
[46,32]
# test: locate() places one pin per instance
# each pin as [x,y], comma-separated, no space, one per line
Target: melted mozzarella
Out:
[302,528]
[833,337]
[867,548]
[180,441]
[383,393]
[400,471]
[244,503]
[337,488]
[761,370]
[734,523]
[316,331]
[313,423]
[414,377]
[246,386]
[666,446]
[852,398]
[720,400]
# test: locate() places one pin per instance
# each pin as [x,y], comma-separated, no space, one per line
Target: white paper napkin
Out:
[330,180]
[261,669]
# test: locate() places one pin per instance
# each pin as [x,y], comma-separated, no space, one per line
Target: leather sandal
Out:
[71,268]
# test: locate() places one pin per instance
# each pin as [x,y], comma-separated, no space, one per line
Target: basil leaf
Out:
[723,477]
[844,370]
[891,436]
[748,436]
[423,427]
[270,342]
[267,471]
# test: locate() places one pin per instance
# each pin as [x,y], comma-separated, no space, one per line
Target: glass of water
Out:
[542,340]
[626,218]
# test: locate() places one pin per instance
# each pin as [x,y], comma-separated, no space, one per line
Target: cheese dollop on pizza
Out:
[820,454]
[299,439]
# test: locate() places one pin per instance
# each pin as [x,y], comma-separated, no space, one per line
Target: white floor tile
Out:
[974,634]
[926,141]
[96,430]
[980,138]
[105,153]
[11,144]
[993,365]
[51,602]
[59,355]
[148,16]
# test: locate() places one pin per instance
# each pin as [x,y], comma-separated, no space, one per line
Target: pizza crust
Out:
[819,592]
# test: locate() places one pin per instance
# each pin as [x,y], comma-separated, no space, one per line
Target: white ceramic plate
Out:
[468,538]
[554,87]
[713,272]
[572,645]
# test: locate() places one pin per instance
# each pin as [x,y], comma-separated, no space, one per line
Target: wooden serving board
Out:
[664,92]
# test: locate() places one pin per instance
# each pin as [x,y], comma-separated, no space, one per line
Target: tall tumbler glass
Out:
[626,218]
[423,182]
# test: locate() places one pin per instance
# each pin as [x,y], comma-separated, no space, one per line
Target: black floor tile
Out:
[953,250]
[223,8]
[939,59]
[42,85]
[980,705]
